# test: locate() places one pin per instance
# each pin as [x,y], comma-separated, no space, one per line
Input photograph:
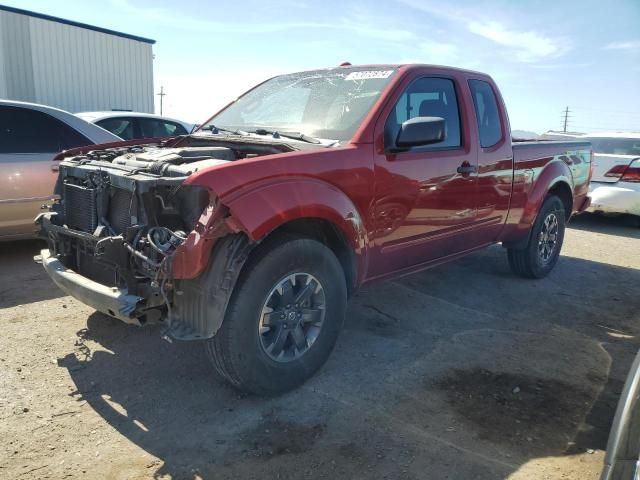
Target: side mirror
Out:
[420,131]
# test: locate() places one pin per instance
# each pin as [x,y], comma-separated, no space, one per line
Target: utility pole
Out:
[161,95]
[566,118]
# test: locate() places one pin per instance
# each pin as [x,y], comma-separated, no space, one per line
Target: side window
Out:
[29,131]
[427,97]
[122,127]
[487,113]
[152,128]
[175,128]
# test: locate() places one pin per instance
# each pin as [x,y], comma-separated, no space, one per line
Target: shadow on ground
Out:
[623,225]
[435,371]
[23,281]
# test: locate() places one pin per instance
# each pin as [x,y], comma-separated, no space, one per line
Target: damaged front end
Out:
[123,236]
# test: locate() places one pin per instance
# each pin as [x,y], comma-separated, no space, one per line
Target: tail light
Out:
[616,171]
[626,173]
[632,172]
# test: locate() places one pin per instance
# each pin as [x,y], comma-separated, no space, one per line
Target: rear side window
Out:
[29,131]
[152,128]
[427,97]
[487,114]
[122,127]
[616,146]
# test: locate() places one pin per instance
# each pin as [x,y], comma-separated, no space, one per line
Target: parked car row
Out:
[32,135]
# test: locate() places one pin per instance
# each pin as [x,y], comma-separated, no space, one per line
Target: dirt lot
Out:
[460,372]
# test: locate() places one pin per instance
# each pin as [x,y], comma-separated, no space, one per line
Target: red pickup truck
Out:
[253,232]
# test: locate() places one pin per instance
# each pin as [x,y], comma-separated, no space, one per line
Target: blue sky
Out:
[545,55]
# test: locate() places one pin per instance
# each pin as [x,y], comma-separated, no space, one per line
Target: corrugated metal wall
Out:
[73,68]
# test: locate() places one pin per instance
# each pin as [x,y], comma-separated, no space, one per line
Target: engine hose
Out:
[158,168]
[142,256]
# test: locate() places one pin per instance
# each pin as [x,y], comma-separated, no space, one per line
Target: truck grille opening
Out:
[80,209]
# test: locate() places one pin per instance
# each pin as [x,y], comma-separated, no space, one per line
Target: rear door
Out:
[29,140]
[495,160]
[612,156]
[425,196]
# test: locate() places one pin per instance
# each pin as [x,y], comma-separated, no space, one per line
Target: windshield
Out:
[616,146]
[328,104]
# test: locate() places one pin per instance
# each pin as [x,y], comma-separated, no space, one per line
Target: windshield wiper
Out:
[214,129]
[293,135]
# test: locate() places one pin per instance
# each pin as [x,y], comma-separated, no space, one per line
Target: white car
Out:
[31,136]
[615,184]
[131,125]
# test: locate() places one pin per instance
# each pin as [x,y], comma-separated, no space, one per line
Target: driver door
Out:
[424,196]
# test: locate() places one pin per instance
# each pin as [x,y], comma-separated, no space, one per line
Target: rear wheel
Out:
[541,254]
[283,319]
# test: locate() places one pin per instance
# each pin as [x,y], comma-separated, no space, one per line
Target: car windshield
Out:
[327,104]
[616,146]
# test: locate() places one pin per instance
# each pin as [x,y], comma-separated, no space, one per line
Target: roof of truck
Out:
[409,66]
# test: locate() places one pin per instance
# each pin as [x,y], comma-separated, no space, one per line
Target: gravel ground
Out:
[463,371]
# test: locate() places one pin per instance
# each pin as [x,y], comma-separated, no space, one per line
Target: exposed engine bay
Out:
[124,211]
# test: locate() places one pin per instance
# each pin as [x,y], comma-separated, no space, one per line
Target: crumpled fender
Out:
[261,207]
[230,227]
[259,195]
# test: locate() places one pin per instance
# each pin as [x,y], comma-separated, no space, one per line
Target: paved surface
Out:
[460,372]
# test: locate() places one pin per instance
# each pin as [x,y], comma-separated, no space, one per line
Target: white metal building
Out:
[73,66]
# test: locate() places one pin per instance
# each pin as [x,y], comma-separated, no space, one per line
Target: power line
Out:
[566,119]
[161,95]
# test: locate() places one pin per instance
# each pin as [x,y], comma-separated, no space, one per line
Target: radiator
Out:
[120,210]
[80,209]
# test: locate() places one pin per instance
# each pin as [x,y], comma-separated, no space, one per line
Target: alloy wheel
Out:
[292,317]
[548,238]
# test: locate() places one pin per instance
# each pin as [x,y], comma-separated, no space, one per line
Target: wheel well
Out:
[328,234]
[563,192]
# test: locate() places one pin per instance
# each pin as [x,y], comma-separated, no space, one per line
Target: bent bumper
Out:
[113,301]
[619,197]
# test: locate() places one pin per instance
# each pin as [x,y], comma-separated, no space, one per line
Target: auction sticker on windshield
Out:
[368,74]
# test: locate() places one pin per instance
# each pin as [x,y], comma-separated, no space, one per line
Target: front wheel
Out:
[541,254]
[283,318]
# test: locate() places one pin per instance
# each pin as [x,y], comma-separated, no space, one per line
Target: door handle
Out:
[466,169]
[55,167]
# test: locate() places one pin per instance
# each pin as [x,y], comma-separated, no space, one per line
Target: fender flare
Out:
[262,208]
[553,174]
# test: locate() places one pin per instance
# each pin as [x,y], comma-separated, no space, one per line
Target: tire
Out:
[536,260]
[246,351]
